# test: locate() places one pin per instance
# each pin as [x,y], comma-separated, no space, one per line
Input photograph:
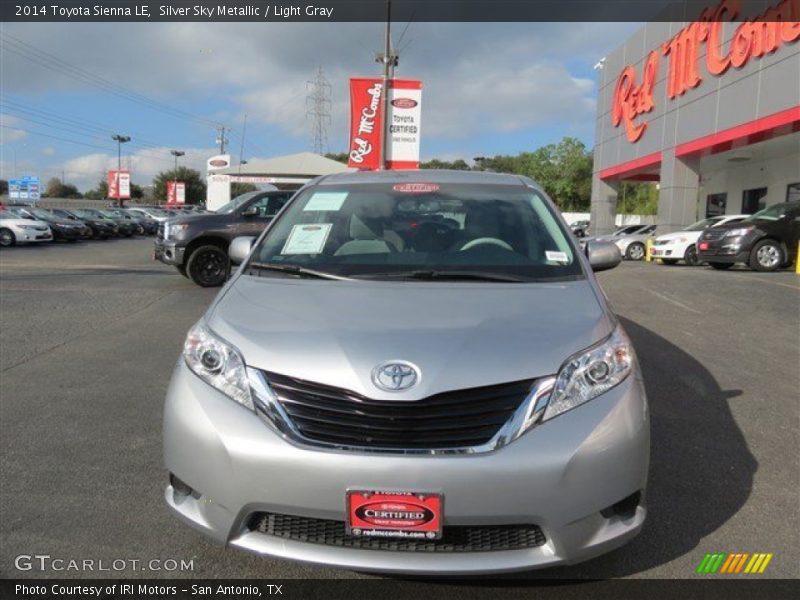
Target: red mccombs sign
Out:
[775,27]
[368,124]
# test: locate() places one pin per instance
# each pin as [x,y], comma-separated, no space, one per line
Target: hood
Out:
[689,235]
[199,218]
[460,335]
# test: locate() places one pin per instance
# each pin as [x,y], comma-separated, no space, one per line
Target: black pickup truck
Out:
[197,245]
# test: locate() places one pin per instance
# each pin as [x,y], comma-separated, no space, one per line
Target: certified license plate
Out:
[405,515]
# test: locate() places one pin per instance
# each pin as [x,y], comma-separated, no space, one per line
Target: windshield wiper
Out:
[429,274]
[295,270]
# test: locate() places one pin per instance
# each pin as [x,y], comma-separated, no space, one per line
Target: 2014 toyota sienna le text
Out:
[412,372]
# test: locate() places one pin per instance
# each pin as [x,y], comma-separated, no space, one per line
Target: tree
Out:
[100,192]
[457,165]
[195,186]
[341,157]
[237,189]
[56,189]
[3,186]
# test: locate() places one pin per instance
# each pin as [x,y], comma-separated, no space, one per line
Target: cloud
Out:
[49,151]
[86,170]
[9,129]
[504,77]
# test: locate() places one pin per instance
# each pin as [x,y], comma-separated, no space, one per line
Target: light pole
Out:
[176,154]
[120,139]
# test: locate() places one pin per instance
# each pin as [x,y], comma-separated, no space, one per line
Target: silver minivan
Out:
[412,372]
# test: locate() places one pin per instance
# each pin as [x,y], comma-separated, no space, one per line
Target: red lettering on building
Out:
[631,100]
[763,35]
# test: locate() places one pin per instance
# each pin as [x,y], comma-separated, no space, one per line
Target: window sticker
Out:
[559,257]
[307,239]
[322,201]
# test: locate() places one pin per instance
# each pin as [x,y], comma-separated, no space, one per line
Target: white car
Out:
[680,245]
[16,230]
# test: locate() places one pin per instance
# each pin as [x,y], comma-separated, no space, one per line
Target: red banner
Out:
[366,123]
[176,192]
[119,184]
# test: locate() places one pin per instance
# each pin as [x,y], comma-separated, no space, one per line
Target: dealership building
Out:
[709,110]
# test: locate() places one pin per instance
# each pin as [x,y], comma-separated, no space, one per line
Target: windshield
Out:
[43,214]
[773,213]
[87,213]
[384,230]
[627,230]
[704,224]
[109,214]
[231,206]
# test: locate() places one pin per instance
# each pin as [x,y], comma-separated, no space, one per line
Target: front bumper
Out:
[726,250]
[559,476]
[31,236]
[669,251]
[168,252]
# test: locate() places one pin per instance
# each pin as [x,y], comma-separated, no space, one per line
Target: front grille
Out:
[457,419]
[327,532]
[712,234]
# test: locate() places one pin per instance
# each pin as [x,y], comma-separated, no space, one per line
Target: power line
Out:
[63,67]
[318,109]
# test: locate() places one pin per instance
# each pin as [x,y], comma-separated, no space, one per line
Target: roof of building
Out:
[303,164]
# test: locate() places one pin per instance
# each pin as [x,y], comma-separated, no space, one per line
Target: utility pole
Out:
[389,60]
[221,139]
[120,139]
[318,108]
[176,154]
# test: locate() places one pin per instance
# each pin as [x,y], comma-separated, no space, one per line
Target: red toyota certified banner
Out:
[366,123]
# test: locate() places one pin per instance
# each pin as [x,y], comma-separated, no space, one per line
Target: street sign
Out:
[24,188]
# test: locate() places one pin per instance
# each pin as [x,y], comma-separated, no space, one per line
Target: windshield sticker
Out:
[307,239]
[416,188]
[323,201]
[559,257]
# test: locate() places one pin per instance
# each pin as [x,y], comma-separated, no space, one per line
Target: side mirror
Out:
[603,255]
[240,248]
[250,211]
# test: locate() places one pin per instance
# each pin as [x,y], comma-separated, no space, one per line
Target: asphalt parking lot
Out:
[91,331]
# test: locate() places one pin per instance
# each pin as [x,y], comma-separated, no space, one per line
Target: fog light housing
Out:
[181,488]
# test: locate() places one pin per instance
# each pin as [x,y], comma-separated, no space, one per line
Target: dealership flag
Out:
[367,123]
[119,184]
[405,110]
[176,192]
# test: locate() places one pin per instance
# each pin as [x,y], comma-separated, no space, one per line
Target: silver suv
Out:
[412,372]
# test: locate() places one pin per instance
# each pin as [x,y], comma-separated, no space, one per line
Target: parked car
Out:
[126,227]
[197,245]
[633,245]
[61,228]
[580,228]
[766,240]
[96,215]
[671,248]
[101,229]
[18,230]
[156,214]
[371,394]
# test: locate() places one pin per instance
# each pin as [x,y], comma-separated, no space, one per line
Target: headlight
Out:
[217,363]
[27,227]
[590,373]
[738,232]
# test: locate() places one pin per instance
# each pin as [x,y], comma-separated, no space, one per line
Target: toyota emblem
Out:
[395,376]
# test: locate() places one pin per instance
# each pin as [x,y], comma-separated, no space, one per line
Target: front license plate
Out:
[406,515]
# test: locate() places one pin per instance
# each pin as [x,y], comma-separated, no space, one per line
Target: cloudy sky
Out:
[488,88]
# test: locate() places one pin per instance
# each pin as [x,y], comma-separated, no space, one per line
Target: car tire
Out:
[182,270]
[635,251]
[7,238]
[208,266]
[767,255]
[720,266]
[690,257]
[669,261]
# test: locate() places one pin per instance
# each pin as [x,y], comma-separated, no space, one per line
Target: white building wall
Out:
[775,174]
